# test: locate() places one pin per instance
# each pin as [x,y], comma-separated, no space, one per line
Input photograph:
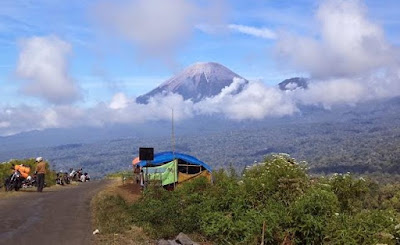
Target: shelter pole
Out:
[147,174]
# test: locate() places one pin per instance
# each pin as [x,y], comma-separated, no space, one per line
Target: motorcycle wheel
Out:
[10,186]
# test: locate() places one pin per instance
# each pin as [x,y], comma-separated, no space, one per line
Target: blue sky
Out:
[104,55]
[103,60]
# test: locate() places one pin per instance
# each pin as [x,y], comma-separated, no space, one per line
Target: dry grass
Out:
[133,236]
[112,218]
[4,194]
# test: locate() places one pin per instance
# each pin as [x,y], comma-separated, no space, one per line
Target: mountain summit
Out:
[294,83]
[197,82]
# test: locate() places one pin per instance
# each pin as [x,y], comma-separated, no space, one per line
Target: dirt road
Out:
[59,216]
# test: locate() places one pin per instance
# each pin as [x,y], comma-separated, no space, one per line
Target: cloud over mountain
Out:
[349,60]
[348,43]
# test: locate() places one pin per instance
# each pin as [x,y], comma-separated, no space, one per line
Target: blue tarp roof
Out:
[164,157]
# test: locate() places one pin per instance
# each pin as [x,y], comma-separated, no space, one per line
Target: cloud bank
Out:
[43,64]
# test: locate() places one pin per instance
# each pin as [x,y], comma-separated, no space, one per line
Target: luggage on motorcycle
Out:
[24,170]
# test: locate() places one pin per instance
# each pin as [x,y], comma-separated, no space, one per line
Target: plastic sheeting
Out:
[166,173]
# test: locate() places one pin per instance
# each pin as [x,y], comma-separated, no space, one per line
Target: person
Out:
[141,178]
[40,171]
[136,171]
[83,178]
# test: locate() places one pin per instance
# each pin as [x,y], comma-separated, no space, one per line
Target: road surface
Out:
[55,216]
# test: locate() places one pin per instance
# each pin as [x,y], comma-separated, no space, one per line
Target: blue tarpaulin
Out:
[165,157]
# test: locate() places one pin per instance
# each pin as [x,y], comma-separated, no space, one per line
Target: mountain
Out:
[197,82]
[294,83]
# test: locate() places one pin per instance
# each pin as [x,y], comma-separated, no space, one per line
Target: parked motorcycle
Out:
[14,182]
[29,182]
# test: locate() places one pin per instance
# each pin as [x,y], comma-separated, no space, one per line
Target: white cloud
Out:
[349,61]
[5,124]
[119,101]
[254,31]
[157,27]
[256,101]
[330,93]
[43,64]
[348,43]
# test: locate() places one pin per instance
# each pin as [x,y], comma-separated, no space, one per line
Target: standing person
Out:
[136,171]
[83,178]
[40,170]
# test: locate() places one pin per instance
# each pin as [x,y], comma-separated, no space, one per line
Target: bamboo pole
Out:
[263,233]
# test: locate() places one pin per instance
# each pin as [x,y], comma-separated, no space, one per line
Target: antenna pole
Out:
[173,144]
[173,134]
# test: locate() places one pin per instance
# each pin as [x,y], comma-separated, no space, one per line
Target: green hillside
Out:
[293,206]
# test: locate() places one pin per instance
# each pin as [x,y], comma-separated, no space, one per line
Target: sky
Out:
[83,62]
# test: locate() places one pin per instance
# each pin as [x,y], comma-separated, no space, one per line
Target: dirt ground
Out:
[55,216]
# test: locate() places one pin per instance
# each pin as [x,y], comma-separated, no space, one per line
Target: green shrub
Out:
[366,227]
[278,177]
[157,212]
[311,212]
[351,192]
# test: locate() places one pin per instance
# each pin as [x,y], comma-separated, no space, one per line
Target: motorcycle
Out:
[29,182]
[66,178]
[14,182]
[75,175]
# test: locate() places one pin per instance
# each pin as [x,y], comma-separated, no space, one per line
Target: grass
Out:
[111,215]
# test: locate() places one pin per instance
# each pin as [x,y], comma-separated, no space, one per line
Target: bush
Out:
[296,209]
[366,227]
[310,214]
[351,192]
[278,177]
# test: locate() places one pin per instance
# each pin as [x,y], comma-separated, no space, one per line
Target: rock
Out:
[183,239]
[162,242]
[167,242]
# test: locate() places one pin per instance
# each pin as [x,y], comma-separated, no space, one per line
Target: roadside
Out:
[111,215]
[8,194]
